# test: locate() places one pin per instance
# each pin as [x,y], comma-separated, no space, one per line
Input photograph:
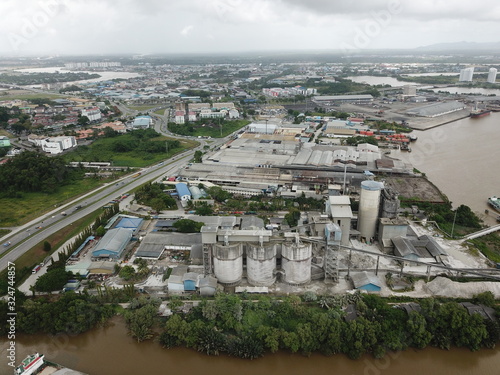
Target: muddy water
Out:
[462,159]
[109,351]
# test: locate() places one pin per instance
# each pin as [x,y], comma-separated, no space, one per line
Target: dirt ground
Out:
[417,188]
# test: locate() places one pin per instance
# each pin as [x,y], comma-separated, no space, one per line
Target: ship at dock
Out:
[477,113]
[494,202]
[35,364]
[30,365]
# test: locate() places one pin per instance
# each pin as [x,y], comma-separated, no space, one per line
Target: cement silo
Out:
[228,263]
[261,264]
[296,262]
[369,202]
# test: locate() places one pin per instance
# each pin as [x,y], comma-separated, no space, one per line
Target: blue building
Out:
[133,223]
[366,281]
[183,191]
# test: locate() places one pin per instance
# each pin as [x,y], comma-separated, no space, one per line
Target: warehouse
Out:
[339,99]
[112,244]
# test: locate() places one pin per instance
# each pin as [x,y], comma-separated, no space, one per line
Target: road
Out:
[28,235]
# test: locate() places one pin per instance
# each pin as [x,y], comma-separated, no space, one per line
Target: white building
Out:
[492,75]
[466,74]
[54,145]
[92,113]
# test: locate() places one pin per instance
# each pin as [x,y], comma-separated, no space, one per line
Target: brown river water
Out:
[462,158]
[109,351]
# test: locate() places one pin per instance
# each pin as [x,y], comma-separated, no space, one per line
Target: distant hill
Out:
[461,46]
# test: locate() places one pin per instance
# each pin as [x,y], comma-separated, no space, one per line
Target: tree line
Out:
[248,329]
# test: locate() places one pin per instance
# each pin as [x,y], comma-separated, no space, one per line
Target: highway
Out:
[28,235]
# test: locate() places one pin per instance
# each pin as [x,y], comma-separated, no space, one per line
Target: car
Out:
[39,227]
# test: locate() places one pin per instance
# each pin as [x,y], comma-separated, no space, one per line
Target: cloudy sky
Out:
[47,27]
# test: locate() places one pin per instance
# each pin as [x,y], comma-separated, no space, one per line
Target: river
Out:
[104,75]
[461,159]
[109,351]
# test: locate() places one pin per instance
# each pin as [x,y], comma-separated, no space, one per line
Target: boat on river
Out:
[477,113]
[494,202]
[30,365]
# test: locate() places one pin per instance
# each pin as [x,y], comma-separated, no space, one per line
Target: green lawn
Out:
[160,112]
[100,150]
[30,96]
[17,211]
[142,107]
[213,130]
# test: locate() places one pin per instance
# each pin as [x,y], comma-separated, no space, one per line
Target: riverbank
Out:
[110,351]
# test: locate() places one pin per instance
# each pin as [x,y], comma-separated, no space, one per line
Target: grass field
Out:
[29,95]
[101,150]
[142,107]
[160,112]
[17,211]
[213,130]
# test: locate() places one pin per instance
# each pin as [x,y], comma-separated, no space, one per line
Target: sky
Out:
[82,27]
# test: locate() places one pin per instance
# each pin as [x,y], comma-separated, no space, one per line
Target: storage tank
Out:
[368,211]
[261,264]
[228,263]
[296,262]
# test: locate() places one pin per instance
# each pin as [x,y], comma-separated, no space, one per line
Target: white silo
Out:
[296,262]
[261,264]
[368,211]
[228,263]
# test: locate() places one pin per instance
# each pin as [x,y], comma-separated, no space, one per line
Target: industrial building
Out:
[366,281]
[329,100]
[112,244]
[142,122]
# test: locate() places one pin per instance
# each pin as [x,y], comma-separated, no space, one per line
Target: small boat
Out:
[412,137]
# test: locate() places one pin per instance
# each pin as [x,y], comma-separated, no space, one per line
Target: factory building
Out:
[338,207]
[437,109]
[112,244]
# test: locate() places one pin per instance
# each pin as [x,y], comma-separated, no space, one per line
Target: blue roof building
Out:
[133,223]
[366,281]
[183,191]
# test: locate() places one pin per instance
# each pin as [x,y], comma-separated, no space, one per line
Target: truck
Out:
[36,269]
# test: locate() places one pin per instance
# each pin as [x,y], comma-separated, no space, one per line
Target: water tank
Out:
[228,263]
[368,211]
[261,264]
[296,262]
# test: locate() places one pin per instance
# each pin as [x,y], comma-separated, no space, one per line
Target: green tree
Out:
[141,321]
[47,246]
[54,279]
[127,273]
[197,156]
[188,226]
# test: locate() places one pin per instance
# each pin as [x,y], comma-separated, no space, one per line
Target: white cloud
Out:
[105,26]
[187,30]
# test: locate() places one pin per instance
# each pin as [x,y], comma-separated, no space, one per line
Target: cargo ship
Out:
[29,365]
[494,202]
[476,113]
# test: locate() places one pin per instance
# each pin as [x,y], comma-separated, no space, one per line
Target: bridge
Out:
[482,232]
